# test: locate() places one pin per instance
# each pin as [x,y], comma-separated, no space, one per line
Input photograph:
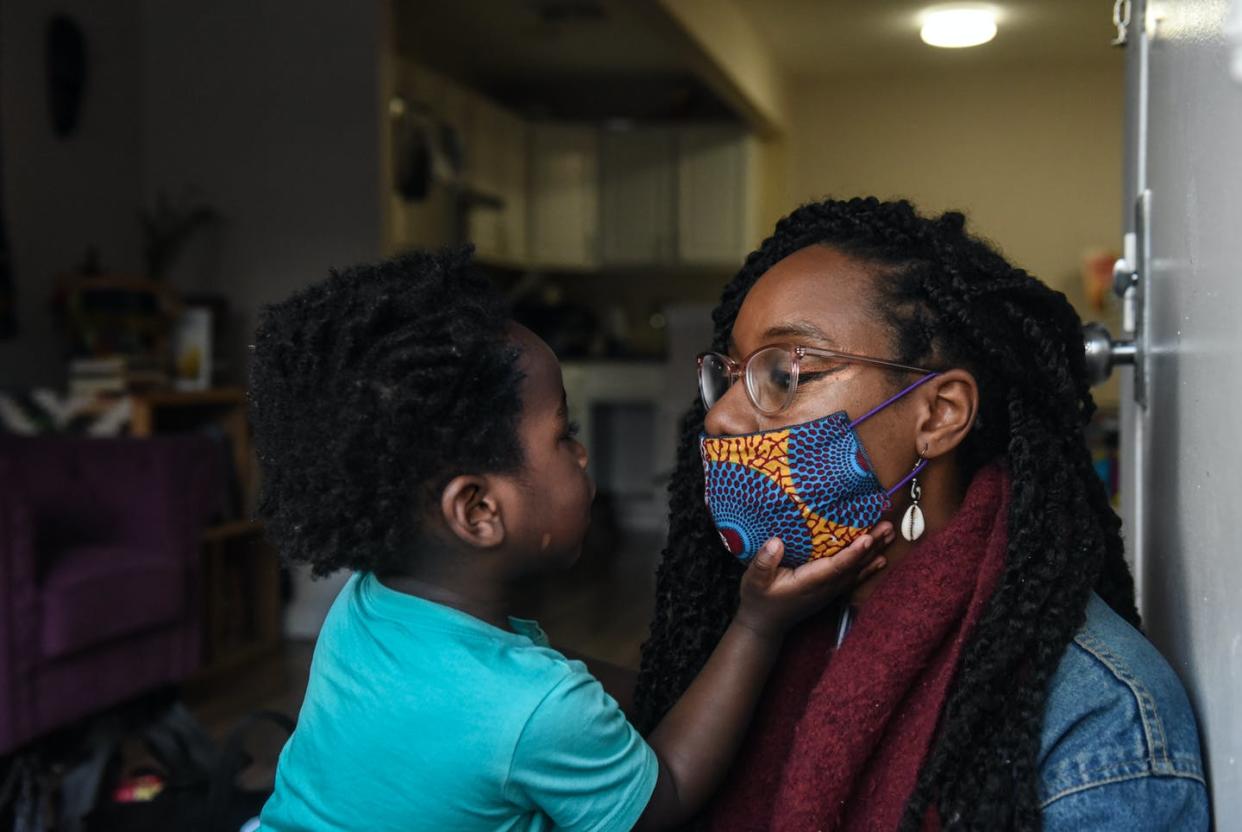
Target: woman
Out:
[989,678]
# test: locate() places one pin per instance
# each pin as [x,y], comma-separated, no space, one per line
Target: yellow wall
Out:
[1032,156]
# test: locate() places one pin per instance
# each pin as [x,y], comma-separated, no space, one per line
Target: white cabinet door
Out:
[638,193]
[715,195]
[511,242]
[483,145]
[498,152]
[484,220]
[564,196]
[430,221]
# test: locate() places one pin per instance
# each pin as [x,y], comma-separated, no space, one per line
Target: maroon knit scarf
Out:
[839,738]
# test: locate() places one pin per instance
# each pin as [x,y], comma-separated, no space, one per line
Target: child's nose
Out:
[583,456]
[732,414]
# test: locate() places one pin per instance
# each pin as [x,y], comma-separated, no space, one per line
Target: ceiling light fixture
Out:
[958,26]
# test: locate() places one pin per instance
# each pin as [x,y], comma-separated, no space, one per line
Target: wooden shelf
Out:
[241,570]
[192,398]
[170,411]
[236,528]
[223,671]
[241,596]
[123,282]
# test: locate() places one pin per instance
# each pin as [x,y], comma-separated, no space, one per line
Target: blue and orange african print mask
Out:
[812,485]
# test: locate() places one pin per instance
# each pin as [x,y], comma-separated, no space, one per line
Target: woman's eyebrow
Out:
[799,329]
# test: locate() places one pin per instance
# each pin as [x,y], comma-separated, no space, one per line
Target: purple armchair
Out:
[99,572]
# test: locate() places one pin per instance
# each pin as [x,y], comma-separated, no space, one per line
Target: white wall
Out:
[275,116]
[272,110]
[62,196]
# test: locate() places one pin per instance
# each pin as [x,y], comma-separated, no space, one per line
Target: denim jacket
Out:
[1119,748]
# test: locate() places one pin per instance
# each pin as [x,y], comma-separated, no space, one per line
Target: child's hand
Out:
[698,738]
[775,597]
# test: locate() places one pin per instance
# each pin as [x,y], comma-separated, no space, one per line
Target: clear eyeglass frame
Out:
[718,373]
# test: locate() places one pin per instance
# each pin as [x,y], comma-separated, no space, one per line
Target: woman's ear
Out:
[952,400]
[470,508]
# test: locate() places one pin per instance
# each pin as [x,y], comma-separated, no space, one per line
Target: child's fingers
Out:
[851,559]
[872,568]
[884,532]
[864,552]
[766,564]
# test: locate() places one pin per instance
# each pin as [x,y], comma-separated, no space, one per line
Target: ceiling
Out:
[870,37]
[587,59]
[531,39]
[596,59]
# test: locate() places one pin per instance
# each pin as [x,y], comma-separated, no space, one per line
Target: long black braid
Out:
[950,301]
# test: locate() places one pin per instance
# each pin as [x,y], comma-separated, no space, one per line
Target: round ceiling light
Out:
[956,27]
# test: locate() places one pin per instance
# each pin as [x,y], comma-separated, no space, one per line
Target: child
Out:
[411,433]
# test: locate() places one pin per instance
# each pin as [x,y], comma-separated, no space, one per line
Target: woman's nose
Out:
[732,414]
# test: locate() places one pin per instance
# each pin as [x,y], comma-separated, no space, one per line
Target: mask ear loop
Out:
[918,469]
[892,399]
[922,463]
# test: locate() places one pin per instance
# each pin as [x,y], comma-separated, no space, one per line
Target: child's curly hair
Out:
[368,392]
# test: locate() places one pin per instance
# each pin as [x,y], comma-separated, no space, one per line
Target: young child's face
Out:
[554,493]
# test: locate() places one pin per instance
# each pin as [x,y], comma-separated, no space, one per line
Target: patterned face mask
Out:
[812,485]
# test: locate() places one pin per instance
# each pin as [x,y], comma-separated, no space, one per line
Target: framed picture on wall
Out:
[192,349]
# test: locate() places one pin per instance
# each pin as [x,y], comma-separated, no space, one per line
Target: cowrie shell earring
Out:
[912,524]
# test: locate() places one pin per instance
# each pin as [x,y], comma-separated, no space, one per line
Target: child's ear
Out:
[470,507]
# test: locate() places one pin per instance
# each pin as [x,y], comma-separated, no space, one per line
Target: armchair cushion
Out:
[97,593]
[100,572]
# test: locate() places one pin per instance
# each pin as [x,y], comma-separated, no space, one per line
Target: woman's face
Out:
[818,297]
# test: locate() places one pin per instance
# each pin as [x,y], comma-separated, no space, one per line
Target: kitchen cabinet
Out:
[564,196]
[666,196]
[638,192]
[571,197]
[498,163]
[456,109]
[427,222]
[514,153]
[716,195]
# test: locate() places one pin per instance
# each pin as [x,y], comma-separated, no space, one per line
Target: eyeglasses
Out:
[772,374]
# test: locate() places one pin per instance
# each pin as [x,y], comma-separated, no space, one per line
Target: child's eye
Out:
[571,430]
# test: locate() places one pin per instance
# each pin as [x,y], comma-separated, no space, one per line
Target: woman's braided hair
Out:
[951,301]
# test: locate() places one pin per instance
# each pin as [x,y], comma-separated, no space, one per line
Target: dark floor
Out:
[600,609]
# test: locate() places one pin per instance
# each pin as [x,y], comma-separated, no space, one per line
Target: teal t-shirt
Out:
[418,716]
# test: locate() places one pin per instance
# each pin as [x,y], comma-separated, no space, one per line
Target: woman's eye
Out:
[779,378]
[811,376]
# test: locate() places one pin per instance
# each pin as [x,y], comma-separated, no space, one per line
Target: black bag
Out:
[200,793]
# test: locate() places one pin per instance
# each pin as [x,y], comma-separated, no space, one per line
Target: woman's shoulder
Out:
[1116,713]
